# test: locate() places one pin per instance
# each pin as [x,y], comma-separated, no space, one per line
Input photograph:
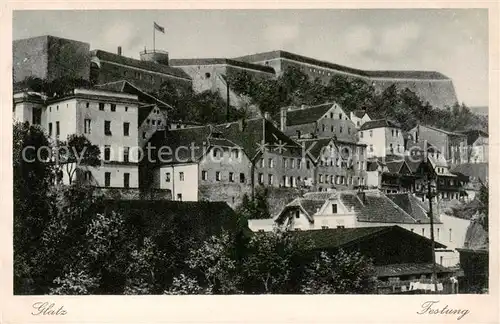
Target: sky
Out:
[451,41]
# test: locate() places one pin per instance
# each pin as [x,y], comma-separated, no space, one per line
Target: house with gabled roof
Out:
[198,163]
[325,120]
[277,160]
[338,164]
[359,117]
[477,146]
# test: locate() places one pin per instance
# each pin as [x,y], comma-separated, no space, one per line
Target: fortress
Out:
[49,57]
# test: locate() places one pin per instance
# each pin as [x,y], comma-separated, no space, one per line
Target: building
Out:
[477,174]
[452,145]
[48,58]
[325,120]
[382,137]
[107,119]
[277,160]
[337,164]
[359,117]
[148,73]
[477,146]
[198,163]
[401,258]
[433,87]
[213,74]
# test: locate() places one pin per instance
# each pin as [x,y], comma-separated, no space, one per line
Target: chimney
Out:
[362,196]
[283,119]
[120,50]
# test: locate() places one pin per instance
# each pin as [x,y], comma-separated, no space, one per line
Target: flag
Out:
[159,28]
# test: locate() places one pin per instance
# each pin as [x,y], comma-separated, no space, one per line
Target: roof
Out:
[359,113]
[146,65]
[377,123]
[249,134]
[343,237]
[414,207]
[215,61]
[308,206]
[394,166]
[188,220]
[473,170]
[306,115]
[124,86]
[406,269]
[315,146]
[377,208]
[442,130]
[473,135]
[370,74]
[199,138]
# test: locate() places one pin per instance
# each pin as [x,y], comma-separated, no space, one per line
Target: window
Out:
[86,126]
[308,165]
[371,133]
[126,108]
[334,208]
[242,178]
[58,129]
[217,176]
[324,227]
[423,231]
[332,129]
[371,147]
[361,134]
[331,115]
[167,177]
[292,163]
[236,154]
[399,147]
[348,130]
[50,129]
[299,163]
[101,106]
[323,127]
[207,75]
[397,132]
[441,260]
[261,178]
[438,233]
[107,153]
[153,122]
[450,235]
[107,127]
[392,132]
[340,226]
[126,180]
[261,163]
[107,179]
[57,107]
[340,116]
[144,135]
[50,109]
[87,104]
[181,176]
[204,175]
[126,154]
[285,163]
[113,107]
[320,180]
[297,214]
[391,148]
[179,197]
[87,175]
[340,129]
[126,129]
[231,177]
[292,182]
[271,163]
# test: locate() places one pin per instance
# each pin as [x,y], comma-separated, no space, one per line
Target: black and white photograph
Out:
[251,152]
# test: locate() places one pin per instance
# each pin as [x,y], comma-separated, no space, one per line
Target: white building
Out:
[359,117]
[382,137]
[108,120]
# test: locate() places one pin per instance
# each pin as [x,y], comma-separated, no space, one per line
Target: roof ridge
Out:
[401,209]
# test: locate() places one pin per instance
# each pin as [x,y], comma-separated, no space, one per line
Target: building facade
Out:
[382,137]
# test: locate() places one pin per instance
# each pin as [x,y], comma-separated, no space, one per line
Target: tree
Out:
[32,177]
[257,208]
[75,153]
[339,273]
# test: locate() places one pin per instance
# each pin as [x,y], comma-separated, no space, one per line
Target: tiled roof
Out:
[406,269]
[343,237]
[414,207]
[320,195]
[394,166]
[226,61]
[378,123]
[306,115]
[196,140]
[378,208]
[146,65]
[315,146]
[371,74]
[252,135]
[473,170]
